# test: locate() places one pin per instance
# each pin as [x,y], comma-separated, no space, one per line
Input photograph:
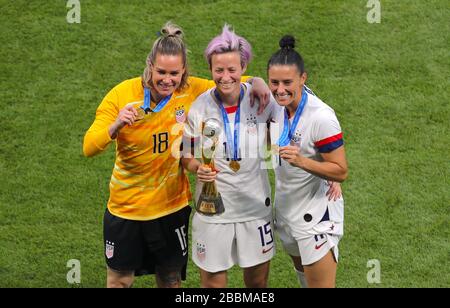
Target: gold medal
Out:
[234,165]
[141,114]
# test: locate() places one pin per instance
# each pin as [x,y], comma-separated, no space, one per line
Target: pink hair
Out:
[229,41]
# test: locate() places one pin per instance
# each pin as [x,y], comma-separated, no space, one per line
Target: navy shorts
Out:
[146,247]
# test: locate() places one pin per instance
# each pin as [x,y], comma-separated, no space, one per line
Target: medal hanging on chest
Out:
[234,164]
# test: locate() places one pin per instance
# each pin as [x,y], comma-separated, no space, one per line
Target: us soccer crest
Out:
[180,114]
[109,249]
[201,251]
[297,138]
[252,124]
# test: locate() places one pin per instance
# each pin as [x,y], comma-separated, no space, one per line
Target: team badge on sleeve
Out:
[180,114]
[109,250]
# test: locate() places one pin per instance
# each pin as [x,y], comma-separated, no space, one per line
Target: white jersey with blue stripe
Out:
[300,197]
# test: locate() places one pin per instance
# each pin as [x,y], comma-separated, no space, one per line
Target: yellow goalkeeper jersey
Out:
[148,180]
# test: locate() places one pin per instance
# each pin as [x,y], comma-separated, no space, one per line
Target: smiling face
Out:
[286,83]
[226,72]
[167,72]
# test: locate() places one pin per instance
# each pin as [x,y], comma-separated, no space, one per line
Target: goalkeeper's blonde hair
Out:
[170,42]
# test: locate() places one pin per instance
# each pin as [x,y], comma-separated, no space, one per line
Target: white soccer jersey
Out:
[300,197]
[246,193]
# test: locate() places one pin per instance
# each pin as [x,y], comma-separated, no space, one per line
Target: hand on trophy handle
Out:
[205,174]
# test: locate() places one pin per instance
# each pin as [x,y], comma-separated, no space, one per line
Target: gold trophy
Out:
[210,202]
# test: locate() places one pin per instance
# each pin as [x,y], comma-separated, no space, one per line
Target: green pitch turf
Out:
[387,82]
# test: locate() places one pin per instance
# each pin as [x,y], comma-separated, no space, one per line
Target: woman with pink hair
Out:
[241,234]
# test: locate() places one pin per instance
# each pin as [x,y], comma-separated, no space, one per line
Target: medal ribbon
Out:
[226,122]
[146,107]
[287,134]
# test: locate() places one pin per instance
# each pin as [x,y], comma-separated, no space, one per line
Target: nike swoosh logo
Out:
[184,253]
[320,246]
[181,96]
[267,250]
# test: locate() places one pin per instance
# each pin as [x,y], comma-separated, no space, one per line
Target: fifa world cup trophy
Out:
[210,202]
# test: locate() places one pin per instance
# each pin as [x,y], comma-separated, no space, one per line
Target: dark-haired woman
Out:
[311,153]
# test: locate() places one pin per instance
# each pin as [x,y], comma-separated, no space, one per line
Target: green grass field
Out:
[387,82]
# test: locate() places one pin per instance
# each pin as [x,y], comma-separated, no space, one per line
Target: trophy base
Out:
[210,205]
